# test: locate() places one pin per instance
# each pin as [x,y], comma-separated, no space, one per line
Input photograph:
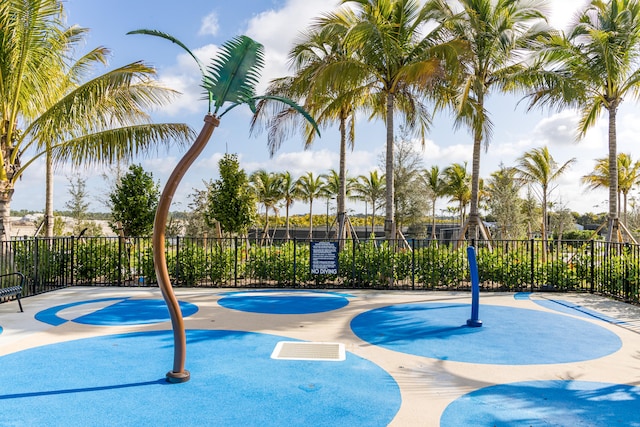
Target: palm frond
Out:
[172,39]
[125,143]
[234,74]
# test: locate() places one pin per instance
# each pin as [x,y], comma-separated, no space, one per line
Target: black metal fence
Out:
[508,265]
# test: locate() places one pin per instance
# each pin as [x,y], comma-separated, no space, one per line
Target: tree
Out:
[411,196]
[593,68]
[628,176]
[309,189]
[57,108]
[78,207]
[433,181]
[230,200]
[505,204]
[372,190]
[267,187]
[497,32]
[197,222]
[289,195]
[327,98]
[538,167]
[560,221]
[457,184]
[133,202]
[399,59]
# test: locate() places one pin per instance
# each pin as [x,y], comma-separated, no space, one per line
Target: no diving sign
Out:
[324,258]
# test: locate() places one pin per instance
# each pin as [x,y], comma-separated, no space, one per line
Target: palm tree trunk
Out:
[543,227]
[178,374]
[286,223]
[48,204]
[474,217]
[6,193]
[389,220]
[433,219]
[310,219]
[612,232]
[265,230]
[373,217]
[342,173]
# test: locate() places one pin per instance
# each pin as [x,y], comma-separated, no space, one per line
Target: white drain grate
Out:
[327,351]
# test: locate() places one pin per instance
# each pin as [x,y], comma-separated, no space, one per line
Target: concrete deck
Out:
[437,370]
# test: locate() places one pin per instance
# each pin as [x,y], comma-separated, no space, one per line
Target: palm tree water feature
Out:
[231,78]
[178,374]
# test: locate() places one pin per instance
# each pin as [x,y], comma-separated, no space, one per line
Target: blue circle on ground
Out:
[118,380]
[509,336]
[125,311]
[545,403]
[268,303]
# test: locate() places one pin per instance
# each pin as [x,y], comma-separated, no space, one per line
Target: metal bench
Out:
[13,291]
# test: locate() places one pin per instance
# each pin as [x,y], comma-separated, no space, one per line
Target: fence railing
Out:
[506,265]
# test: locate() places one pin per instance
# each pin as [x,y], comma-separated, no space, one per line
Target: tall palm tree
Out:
[592,68]
[539,167]
[400,61]
[435,183]
[310,188]
[329,100]
[628,176]
[498,32]
[289,196]
[457,184]
[269,192]
[58,108]
[372,190]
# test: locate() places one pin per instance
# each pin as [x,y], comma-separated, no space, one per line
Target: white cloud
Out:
[209,25]
[278,29]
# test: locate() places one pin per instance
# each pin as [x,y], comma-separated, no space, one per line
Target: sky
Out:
[204,25]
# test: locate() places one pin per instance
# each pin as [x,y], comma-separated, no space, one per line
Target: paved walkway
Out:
[98,356]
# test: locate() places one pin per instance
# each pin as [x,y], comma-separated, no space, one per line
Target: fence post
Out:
[36,255]
[235,261]
[592,267]
[177,271]
[413,264]
[353,262]
[295,264]
[73,260]
[533,246]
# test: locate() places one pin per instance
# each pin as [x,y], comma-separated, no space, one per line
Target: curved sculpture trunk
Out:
[179,373]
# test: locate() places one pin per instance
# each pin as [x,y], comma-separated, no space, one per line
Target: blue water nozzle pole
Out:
[475,288]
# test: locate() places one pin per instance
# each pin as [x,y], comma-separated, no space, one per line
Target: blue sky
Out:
[203,25]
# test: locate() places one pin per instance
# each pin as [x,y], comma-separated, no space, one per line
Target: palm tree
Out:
[399,60]
[57,108]
[592,68]
[538,167]
[628,176]
[457,184]
[328,100]
[434,182]
[289,195]
[309,189]
[230,79]
[371,189]
[497,31]
[269,192]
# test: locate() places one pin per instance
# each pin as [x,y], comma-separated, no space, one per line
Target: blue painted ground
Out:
[118,380]
[510,336]
[547,403]
[269,303]
[123,312]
